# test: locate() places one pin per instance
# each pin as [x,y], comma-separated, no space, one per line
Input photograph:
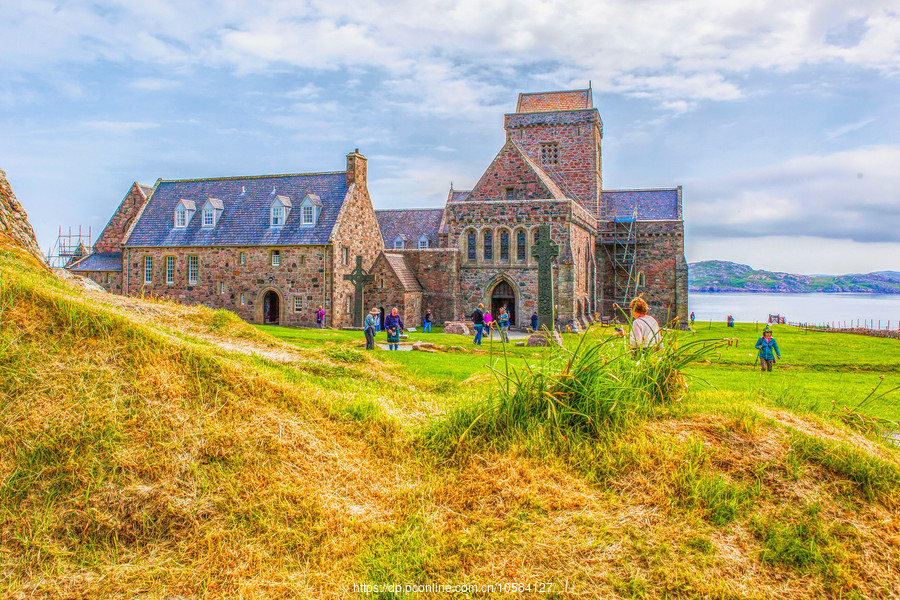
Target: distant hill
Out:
[724,276]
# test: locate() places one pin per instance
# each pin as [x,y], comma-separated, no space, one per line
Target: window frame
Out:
[180,218]
[209,218]
[399,243]
[471,246]
[504,245]
[193,273]
[423,240]
[521,246]
[487,245]
[148,270]
[170,270]
[303,214]
[275,257]
[298,304]
[276,215]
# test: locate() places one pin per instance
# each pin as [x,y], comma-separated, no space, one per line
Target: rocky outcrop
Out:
[14,225]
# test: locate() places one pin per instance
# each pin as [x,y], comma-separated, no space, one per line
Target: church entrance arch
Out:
[270,307]
[503,294]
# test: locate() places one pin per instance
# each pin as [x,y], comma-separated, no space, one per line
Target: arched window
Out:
[488,245]
[470,245]
[536,236]
[504,245]
[520,246]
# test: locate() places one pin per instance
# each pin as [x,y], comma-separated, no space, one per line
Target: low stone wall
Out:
[882,333]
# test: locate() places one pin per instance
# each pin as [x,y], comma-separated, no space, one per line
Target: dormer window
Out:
[212,210]
[310,209]
[398,243]
[280,211]
[423,242]
[184,212]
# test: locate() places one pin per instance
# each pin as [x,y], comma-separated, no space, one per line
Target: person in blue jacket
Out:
[768,350]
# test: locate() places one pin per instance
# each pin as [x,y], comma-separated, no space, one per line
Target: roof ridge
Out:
[399,209]
[673,189]
[233,178]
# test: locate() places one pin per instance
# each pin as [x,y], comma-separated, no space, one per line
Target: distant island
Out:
[721,276]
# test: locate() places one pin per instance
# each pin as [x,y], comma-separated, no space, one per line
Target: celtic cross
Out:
[545,251]
[359,278]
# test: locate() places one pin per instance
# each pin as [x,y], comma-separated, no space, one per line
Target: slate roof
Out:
[555,101]
[407,278]
[245,218]
[98,261]
[410,224]
[458,195]
[651,205]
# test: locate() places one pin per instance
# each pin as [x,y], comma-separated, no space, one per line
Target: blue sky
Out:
[781,120]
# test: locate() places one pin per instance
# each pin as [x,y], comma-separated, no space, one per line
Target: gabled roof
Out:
[245,219]
[98,261]
[188,204]
[398,264]
[648,205]
[512,159]
[215,203]
[410,224]
[285,200]
[561,100]
[316,201]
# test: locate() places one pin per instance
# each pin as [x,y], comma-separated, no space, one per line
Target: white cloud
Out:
[849,127]
[120,127]
[852,195]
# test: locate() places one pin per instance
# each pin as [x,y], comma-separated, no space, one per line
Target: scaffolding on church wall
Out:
[621,249]
[69,247]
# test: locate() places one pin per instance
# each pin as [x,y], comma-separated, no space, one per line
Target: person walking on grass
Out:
[478,321]
[393,324]
[503,321]
[768,350]
[426,322]
[369,327]
[320,317]
[644,328]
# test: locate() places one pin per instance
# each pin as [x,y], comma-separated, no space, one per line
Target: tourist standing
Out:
[393,324]
[320,317]
[534,321]
[489,324]
[503,320]
[478,321]
[692,319]
[426,322]
[369,327]
[644,328]
[768,350]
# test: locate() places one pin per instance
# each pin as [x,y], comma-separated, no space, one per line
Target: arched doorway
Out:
[271,308]
[504,295]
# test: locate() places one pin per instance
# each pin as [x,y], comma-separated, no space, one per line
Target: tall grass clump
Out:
[582,392]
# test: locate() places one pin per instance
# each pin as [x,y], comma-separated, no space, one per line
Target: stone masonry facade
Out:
[477,249]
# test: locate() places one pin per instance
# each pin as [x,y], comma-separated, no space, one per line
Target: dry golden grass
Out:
[142,454]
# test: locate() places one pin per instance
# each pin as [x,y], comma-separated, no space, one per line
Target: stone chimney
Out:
[356,169]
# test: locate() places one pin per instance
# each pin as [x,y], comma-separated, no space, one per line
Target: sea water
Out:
[833,309]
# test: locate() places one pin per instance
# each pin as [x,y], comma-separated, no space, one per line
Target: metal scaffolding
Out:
[620,243]
[69,247]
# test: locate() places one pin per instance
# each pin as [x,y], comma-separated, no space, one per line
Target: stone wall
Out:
[111,281]
[302,273]
[355,233]
[578,136]
[113,234]
[437,270]
[387,292]
[14,223]
[660,258]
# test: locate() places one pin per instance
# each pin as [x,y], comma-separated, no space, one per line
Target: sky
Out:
[781,120]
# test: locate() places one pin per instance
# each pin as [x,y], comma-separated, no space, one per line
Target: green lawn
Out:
[816,370]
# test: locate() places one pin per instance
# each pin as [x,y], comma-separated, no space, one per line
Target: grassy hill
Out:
[159,451]
[724,276]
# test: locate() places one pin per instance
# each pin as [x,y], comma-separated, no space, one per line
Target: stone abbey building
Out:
[274,248]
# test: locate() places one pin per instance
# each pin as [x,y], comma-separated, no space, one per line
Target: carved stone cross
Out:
[359,278]
[545,251]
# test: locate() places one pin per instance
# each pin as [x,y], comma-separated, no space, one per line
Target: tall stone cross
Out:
[359,278]
[545,251]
